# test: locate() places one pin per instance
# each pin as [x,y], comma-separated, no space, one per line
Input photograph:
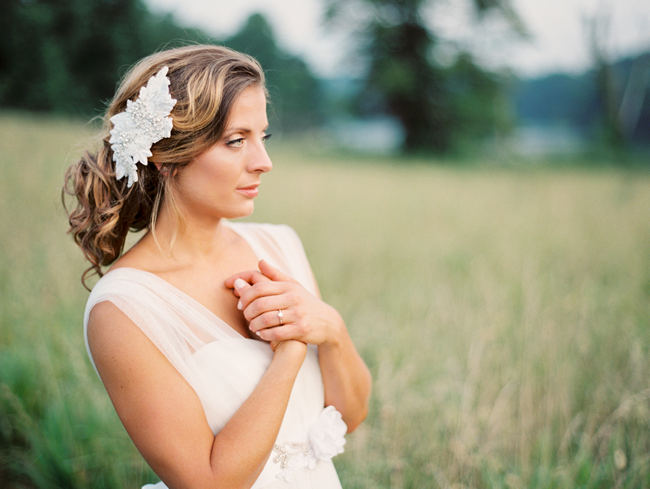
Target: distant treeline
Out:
[576,101]
[68,56]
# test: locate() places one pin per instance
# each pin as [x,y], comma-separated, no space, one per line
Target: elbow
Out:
[225,475]
[353,422]
[352,413]
[355,418]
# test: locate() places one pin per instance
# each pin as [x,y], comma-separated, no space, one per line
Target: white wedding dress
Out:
[223,367]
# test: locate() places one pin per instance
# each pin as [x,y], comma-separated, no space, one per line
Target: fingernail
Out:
[239,283]
[239,306]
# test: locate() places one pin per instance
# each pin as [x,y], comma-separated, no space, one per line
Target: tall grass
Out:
[503,313]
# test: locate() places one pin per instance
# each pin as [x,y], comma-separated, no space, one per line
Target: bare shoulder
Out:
[103,313]
[152,399]
[102,316]
[123,353]
[117,344]
[107,325]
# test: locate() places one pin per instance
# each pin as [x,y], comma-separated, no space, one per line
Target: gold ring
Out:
[280,316]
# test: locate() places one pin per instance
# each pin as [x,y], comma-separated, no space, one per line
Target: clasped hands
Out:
[304,316]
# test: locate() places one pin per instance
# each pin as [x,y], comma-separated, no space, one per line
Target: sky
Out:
[557,41]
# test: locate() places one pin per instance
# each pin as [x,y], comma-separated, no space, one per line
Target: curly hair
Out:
[205,80]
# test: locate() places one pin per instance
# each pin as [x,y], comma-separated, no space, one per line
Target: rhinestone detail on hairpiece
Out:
[145,121]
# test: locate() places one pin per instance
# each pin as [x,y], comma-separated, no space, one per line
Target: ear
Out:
[173,171]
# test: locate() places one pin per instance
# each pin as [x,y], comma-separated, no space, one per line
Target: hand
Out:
[264,293]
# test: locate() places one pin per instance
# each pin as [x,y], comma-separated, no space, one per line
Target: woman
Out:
[223,364]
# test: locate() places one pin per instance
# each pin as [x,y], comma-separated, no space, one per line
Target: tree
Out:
[67,56]
[605,83]
[621,94]
[577,100]
[403,79]
[295,93]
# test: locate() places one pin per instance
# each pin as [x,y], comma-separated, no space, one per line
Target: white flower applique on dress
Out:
[145,121]
[326,439]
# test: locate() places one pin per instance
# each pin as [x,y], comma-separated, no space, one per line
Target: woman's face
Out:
[223,180]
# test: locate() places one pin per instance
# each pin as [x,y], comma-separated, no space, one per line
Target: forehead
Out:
[249,108]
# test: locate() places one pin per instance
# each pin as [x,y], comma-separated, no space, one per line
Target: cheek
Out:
[210,176]
[222,171]
[222,177]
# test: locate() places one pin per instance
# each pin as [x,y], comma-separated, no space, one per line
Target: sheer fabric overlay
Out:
[223,367]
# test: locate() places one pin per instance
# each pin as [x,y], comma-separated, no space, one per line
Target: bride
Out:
[223,363]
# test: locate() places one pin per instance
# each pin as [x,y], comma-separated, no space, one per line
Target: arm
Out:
[165,419]
[346,378]
[308,319]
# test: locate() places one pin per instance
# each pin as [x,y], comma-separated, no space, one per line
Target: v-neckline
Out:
[198,304]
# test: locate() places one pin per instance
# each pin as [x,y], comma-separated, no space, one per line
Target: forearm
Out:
[346,378]
[241,448]
[308,319]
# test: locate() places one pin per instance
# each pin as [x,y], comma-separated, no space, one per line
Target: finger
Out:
[267,303]
[250,276]
[240,285]
[270,319]
[245,276]
[280,333]
[261,289]
[273,273]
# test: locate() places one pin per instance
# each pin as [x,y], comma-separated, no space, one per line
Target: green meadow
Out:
[503,311]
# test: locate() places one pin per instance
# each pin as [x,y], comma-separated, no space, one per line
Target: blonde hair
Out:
[205,81]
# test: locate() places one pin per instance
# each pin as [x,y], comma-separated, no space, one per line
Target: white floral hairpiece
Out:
[144,122]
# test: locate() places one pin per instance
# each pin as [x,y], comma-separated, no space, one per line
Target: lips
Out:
[249,191]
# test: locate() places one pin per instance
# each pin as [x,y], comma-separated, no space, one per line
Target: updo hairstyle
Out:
[205,80]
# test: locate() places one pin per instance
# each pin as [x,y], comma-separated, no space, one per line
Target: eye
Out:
[236,143]
[266,138]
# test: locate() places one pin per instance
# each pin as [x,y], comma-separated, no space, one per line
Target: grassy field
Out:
[504,313]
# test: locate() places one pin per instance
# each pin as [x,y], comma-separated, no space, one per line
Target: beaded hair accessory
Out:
[144,122]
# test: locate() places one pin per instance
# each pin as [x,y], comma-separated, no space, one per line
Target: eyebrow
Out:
[237,129]
[241,129]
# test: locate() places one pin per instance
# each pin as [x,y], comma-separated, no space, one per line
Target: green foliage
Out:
[295,93]
[577,101]
[481,107]
[439,106]
[502,312]
[402,81]
[68,56]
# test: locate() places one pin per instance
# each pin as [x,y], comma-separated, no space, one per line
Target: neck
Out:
[195,240]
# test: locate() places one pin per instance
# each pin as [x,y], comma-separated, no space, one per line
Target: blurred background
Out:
[470,181]
[438,76]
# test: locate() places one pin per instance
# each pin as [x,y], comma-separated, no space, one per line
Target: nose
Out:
[260,161]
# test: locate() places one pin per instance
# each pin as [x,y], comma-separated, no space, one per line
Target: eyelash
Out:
[235,143]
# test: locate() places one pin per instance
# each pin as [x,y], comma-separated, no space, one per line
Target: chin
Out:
[243,211]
